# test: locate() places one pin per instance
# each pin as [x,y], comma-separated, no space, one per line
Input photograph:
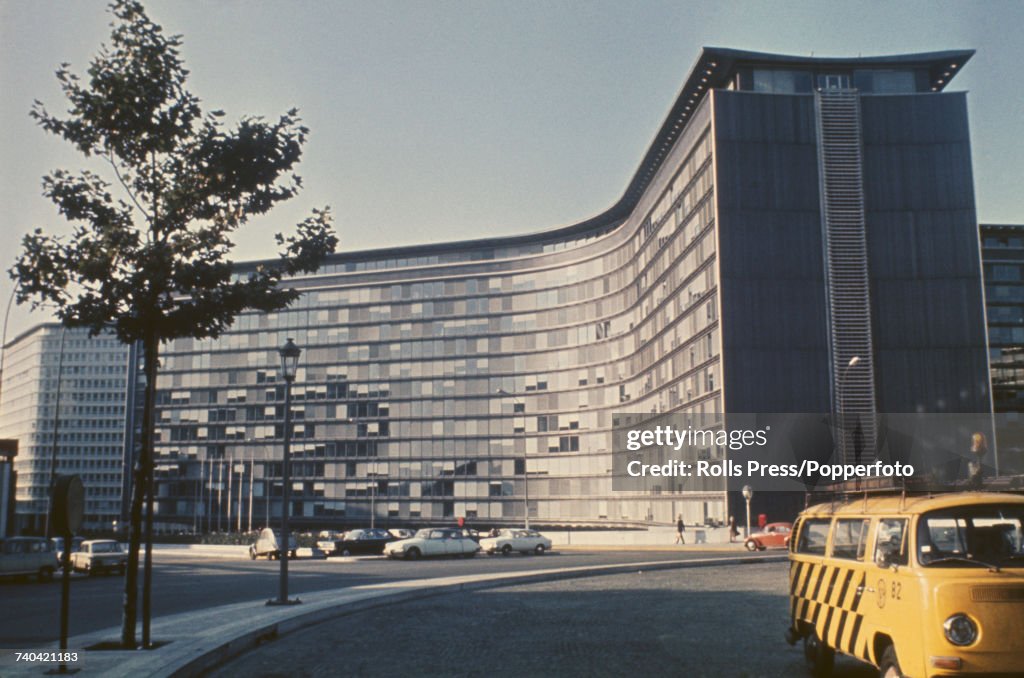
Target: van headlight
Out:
[960,629]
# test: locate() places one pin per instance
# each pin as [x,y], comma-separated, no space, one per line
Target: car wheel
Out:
[751,545]
[346,553]
[413,554]
[252,554]
[539,550]
[46,574]
[889,667]
[291,554]
[122,569]
[506,550]
[819,657]
[272,556]
[88,569]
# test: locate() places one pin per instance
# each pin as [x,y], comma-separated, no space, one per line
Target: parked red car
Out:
[774,535]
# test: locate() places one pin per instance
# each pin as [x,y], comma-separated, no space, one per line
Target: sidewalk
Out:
[197,641]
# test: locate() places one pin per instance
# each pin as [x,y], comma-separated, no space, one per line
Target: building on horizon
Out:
[790,215]
[61,384]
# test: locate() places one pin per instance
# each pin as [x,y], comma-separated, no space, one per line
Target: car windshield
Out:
[423,534]
[970,536]
[106,547]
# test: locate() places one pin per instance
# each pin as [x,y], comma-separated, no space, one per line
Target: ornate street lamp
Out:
[748,494]
[289,366]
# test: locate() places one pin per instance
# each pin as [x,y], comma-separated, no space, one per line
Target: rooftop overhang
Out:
[713,69]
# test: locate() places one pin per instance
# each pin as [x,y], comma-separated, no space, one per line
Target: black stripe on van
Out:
[852,647]
[817,584]
[807,580]
[845,589]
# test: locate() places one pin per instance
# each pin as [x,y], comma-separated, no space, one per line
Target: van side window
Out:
[813,536]
[891,535]
[849,538]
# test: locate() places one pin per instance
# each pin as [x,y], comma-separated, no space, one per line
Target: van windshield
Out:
[971,536]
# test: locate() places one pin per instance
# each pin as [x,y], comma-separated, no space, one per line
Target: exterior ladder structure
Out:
[847,283]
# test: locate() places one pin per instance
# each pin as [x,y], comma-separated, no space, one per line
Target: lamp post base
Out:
[277,601]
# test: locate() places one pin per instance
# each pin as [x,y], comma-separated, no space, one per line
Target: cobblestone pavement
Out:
[715,622]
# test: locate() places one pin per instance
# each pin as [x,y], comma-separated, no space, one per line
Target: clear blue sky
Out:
[436,121]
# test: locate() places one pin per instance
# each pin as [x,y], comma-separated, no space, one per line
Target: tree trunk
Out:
[141,473]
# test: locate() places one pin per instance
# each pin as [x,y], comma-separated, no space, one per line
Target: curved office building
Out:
[471,379]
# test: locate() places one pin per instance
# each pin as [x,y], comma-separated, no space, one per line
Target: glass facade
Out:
[436,387]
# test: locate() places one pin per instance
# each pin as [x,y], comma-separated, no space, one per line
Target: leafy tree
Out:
[151,263]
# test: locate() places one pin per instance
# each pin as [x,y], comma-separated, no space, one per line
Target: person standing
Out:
[975,471]
[680,529]
[733,530]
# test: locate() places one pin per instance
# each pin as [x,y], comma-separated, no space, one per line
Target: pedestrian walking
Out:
[680,529]
[733,530]
[975,471]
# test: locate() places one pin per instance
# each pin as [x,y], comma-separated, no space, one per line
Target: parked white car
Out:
[431,542]
[523,541]
[27,555]
[98,555]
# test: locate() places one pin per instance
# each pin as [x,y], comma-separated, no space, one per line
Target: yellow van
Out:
[914,585]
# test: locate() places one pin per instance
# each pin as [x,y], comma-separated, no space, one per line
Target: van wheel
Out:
[819,657]
[889,667]
[46,574]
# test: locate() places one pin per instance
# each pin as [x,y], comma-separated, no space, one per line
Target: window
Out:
[833,82]
[890,539]
[781,81]
[992,534]
[849,538]
[813,537]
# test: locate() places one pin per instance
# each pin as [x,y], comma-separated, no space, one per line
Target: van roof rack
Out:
[879,486]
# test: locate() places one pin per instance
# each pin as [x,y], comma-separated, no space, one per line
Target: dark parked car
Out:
[368,542]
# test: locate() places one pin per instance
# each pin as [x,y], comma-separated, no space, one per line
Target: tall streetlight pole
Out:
[526,471]
[289,366]
[373,504]
[748,494]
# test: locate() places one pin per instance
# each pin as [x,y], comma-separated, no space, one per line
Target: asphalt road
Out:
[719,622]
[31,610]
